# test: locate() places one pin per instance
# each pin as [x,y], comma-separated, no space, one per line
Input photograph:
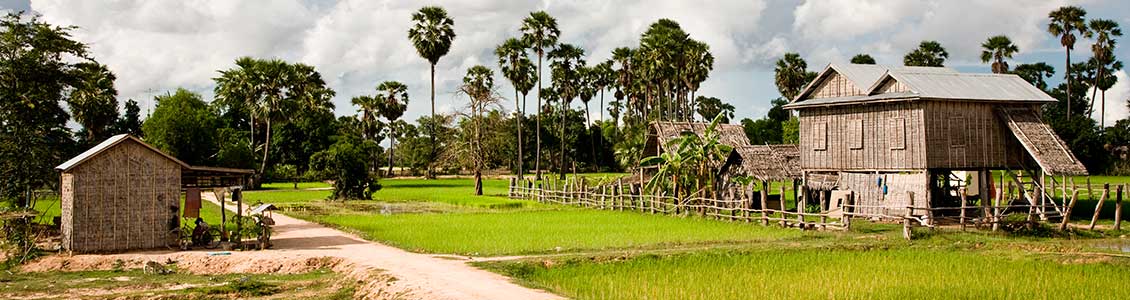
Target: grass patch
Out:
[135,284]
[816,273]
[546,231]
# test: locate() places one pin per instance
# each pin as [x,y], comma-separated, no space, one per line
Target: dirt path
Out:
[423,276]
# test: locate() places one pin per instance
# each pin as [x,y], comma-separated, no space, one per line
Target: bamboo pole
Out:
[846,216]
[1118,209]
[997,205]
[823,210]
[782,204]
[1067,212]
[800,198]
[963,208]
[764,203]
[1099,206]
[906,230]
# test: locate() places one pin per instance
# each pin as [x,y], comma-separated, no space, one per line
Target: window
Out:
[897,134]
[855,133]
[820,136]
[957,131]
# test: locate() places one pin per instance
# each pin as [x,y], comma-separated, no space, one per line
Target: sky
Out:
[157,46]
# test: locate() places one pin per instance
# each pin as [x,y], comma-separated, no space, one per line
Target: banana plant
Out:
[690,162]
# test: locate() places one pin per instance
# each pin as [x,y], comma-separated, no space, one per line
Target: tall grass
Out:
[826,274]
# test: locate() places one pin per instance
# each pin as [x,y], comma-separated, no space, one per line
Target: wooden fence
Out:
[747,205]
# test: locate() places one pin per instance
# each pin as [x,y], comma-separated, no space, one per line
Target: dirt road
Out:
[421,276]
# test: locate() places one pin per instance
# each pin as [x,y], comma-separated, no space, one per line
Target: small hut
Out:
[125,194]
[763,163]
[661,133]
[895,135]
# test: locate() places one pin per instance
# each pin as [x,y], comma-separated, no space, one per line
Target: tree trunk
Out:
[391,146]
[518,110]
[431,174]
[564,109]
[537,131]
[592,144]
[1068,84]
[475,111]
[1094,92]
[600,129]
[266,149]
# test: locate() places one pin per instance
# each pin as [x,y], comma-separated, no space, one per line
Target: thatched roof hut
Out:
[763,162]
[661,133]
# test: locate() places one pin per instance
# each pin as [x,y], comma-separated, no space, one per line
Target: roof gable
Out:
[857,77]
[108,144]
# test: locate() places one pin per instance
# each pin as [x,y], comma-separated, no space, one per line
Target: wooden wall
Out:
[895,200]
[969,135]
[124,198]
[879,136]
[836,85]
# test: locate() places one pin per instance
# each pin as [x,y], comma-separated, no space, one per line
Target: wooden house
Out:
[895,135]
[124,194]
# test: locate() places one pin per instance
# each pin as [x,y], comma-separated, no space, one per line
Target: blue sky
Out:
[157,46]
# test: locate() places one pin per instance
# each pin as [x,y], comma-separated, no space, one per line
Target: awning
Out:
[1046,148]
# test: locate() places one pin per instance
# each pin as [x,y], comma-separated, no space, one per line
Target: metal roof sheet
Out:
[966,86]
[107,144]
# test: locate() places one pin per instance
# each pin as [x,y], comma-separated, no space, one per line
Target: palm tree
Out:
[791,75]
[393,103]
[863,59]
[566,67]
[369,108]
[928,54]
[1035,73]
[539,32]
[432,33]
[698,65]
[996,49]
[94,102]
[515,66]
[586,90]
[1064,23]
[478,85]
[1104,32]
[623,79]
[603,78]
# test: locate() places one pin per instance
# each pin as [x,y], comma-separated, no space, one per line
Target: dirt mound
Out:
[192,262]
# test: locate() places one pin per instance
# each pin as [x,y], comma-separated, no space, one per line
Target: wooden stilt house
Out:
[896,135]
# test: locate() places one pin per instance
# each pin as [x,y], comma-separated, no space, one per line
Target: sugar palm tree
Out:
[928,54]
[1035,73]
[566,67]
[698,65]
[539,32]
[516,67]
[1105,31]
[996,49]
[1064,23]
[94,102]
[791,75]
[432,33]
[393,97]
[863,59]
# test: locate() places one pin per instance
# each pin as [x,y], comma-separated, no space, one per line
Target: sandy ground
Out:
[299,246]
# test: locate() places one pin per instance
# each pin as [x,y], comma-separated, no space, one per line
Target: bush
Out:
[347,164]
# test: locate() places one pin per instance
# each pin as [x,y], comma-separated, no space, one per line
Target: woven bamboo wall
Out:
[891,134]
[895,200]
[968,135]
[836,85]
[124,198]
[892,86]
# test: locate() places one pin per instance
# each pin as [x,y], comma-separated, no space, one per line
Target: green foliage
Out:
[93,102]
[863,59]
[996,50]
[183,126]
[790,131]
[710,108]
[928,54]
[432,32]
[347,164]
[1035,73]
[130,122]
[689,165]
[791,75]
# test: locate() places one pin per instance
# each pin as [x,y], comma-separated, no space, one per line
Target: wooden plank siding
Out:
[836,85]
[839,127]
[968,135]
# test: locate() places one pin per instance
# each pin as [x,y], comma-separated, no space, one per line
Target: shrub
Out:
[347,164]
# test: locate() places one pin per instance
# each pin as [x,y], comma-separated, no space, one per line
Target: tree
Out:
[368,106]
[183,126]
[928,54]
[93,102]
[478,85]
[791,75]
[566,65]
[711,108]
[432,33]
[35,72]
[863,59]
[270,90]
[130,122]
[996,49]
[347,164]
[518,69]
[1035,73]
[698,64]
[393,103]
[1104,32]
[539,32]
[1064,23]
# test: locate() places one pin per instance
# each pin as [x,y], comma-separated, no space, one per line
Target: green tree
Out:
[395,102]
[539,32]
[791,75]
[1105,31]
[698,63]
[566,65]
[863,59]
[518,69]
[346,162]
[478,85]
[928,54]
[183,126]
[1064,23]
[1035,73]
[94,103]
[130,122]
[711,108]
[35,72]
[432,34]
[996,50]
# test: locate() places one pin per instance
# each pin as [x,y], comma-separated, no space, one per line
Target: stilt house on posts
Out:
[124,194]
[913,136]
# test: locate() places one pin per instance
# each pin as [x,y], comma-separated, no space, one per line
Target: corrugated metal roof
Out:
[860,75]
[1008,87]
[107,144]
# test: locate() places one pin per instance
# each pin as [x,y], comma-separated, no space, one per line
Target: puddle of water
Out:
[1125,248]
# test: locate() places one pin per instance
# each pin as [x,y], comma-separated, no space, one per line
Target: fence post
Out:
[1099,206]
[764,203]
[906,230]
[1118,209]
[997,206]
[846,216]
[1067,212]
[963,207]
[800,199]
[781,201]
[823,210]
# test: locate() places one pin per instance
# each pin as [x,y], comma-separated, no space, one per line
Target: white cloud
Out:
[1117,99]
